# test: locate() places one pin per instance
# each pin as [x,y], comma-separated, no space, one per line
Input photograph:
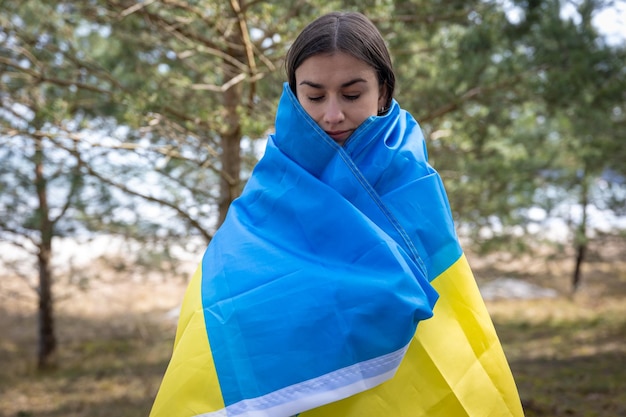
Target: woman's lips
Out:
[339,135]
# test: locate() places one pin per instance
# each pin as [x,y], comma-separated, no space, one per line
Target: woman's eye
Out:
[351,97]
[316,98]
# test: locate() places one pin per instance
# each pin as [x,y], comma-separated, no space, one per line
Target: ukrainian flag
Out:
[337,287]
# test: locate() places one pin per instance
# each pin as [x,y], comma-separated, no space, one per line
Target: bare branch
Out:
[181,32]
[184,215]
[68,198]
[23,233]
[41,77]
[136,7]
[231,83]
[245,36]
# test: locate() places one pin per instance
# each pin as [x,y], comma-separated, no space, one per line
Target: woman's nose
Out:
[333,113]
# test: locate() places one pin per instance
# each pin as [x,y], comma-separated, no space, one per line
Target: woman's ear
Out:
[382,100]
[382,97]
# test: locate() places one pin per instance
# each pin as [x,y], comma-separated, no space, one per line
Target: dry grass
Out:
[114,343]
[568,354]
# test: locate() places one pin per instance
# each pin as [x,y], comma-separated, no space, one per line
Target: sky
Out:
[611,22]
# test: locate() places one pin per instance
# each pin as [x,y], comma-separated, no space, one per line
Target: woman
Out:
[315,297]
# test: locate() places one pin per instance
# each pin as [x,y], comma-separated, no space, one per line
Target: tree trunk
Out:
[580,239]
[231,152]
[47,339]
[230,182]
[580,256]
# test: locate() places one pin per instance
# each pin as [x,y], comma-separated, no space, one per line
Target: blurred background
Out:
[128,127]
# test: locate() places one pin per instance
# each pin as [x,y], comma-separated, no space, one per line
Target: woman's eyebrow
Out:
[311,84]
[352,82]
[344,85]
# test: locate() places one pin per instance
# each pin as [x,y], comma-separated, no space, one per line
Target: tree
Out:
[36,157]
[582,83]
[467,82]
[521,113]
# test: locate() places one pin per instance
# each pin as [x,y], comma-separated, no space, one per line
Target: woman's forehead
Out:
[337,68]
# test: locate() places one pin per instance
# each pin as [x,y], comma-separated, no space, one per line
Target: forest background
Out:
[128,127]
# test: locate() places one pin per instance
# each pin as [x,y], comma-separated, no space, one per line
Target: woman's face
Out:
[339,92]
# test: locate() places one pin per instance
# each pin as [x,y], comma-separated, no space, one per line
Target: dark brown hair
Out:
[348,32]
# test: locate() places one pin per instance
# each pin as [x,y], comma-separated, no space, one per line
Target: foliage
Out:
[516,109]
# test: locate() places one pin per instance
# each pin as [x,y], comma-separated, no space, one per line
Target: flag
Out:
[337,286]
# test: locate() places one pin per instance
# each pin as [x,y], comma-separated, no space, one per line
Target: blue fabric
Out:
[324,261]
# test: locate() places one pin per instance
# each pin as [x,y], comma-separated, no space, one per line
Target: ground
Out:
[567,353]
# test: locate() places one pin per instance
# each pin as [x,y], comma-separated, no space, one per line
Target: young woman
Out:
[336,285]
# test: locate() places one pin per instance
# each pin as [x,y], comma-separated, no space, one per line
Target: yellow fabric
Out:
[454,367]
[191,373]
